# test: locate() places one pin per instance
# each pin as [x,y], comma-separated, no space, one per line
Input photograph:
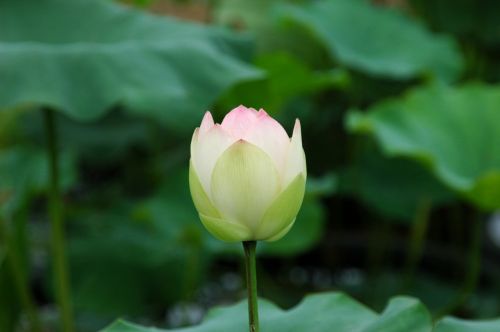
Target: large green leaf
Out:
[316,313]
[83,56]
[378,41]
[455,131]
[459,325]
[395,187]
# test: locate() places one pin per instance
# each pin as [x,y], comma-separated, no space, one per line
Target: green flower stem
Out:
[20,283]
[251,276]
[61,277]
[472,270]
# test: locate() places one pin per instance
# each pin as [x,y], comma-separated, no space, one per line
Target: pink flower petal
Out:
[270,136]
[239,121]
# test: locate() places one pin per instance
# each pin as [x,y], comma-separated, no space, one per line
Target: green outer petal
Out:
[200,198]
[244,184]
[278,217]
[224,230]
[282,233]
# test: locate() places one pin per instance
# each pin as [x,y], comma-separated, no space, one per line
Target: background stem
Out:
[251,276]
[60,269]
[472,270]
[21,284]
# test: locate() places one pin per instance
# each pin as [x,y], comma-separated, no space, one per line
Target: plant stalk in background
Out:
[251,277]
[60,268]
[20,282]
[472,268]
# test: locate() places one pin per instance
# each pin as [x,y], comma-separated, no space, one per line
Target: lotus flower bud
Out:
[247,177]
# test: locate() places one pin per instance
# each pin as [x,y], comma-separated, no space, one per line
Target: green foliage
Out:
[286,79]
[321,312]
[460,325]
[140,241]
[395,187]
[242,13]
[8,298]
[113,55]
[451,130]
[465,18]
[28,175]
[127,251]
[315,313]
[377,41]
[130,86]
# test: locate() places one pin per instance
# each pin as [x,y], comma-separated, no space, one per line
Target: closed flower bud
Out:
[247,177]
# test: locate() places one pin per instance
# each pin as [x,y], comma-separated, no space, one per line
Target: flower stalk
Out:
[61,278]
[251,277]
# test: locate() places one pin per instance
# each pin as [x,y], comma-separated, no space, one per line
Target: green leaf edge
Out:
[361,123]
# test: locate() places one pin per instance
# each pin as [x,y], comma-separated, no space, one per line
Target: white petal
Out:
[270,136]
[206,150]
[295,159]
[207,123]
[194,140]
[239,121]
[244,184]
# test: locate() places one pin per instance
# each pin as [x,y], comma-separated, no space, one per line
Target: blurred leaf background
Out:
[400,108]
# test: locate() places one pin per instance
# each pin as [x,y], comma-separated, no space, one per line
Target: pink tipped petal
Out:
[239,121]
[206,151]
[295,159]
[270,136]
[207,123]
